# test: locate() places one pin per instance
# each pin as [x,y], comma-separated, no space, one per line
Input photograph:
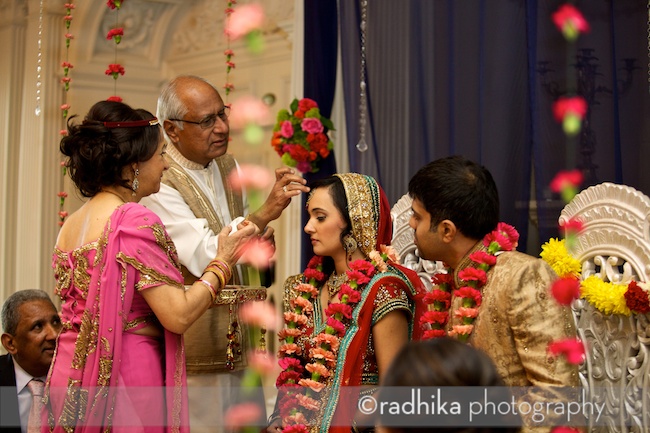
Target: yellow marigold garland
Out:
[606,297]
[555,253]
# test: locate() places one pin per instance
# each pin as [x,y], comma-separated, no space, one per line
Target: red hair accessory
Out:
[131,123]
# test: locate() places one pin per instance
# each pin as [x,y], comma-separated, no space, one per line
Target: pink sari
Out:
[104,377]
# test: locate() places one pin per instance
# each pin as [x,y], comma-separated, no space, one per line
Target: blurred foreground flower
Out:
[571,229]
[260,314]
[565,430]
[249,113]
[251,176]
[254,179]
[258,253]
[572,348]
[246,21]
[567,184]
[570,111]
[570,22]
[565,290]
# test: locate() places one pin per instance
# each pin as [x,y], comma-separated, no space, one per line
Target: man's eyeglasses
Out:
[209,121]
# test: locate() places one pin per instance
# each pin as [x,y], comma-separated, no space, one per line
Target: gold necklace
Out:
[114,193]
[334,283]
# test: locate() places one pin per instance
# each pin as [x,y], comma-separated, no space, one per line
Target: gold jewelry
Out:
[349,245]
[115,194]
[221,265]
[334,283]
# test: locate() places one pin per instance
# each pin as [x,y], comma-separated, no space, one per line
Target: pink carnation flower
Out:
[304,304]
[289,332]
[312,384]
[289,349]
[318,368]
[466,312]
[461,330]
[286,129]
[307,288]
[390,252]
[290,363]
[329,339]
[299,319]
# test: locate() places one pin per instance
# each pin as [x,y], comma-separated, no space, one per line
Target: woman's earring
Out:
[349,245]
[136,182]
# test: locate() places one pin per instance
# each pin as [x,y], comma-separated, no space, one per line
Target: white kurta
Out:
[195,242]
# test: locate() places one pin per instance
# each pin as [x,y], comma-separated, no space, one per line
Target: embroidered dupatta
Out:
[133,253]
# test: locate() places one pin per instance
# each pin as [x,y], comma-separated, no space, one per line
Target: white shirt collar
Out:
[22,377]
[182,161]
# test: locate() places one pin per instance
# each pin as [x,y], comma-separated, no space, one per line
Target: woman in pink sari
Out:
[119,362]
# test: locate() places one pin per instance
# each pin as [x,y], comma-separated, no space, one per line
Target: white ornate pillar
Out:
[13,23]
[38,170]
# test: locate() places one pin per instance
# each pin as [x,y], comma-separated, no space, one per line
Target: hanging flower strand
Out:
[65,106]
[229,53]
[115,69]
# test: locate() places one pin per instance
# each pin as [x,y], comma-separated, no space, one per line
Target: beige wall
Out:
[162,39]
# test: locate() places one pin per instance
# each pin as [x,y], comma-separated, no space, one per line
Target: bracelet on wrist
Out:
[213,292]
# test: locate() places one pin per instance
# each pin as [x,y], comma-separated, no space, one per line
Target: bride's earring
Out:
[349,245]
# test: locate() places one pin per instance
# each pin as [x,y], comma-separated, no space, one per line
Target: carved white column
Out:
[12,33]
[38,170]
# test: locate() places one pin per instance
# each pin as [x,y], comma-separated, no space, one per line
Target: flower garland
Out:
[302,401]
[115,69]
[607,297]
[300,136]
[472,278]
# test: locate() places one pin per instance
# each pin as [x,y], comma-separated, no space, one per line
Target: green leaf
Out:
[327,124]
[294,105]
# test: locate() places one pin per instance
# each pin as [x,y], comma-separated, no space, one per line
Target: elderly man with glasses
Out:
[195,201]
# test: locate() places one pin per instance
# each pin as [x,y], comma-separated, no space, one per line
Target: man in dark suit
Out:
[30,326]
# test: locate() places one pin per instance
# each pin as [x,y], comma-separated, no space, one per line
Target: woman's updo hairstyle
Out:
[97,154]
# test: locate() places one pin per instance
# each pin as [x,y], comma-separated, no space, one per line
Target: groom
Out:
[456,204]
